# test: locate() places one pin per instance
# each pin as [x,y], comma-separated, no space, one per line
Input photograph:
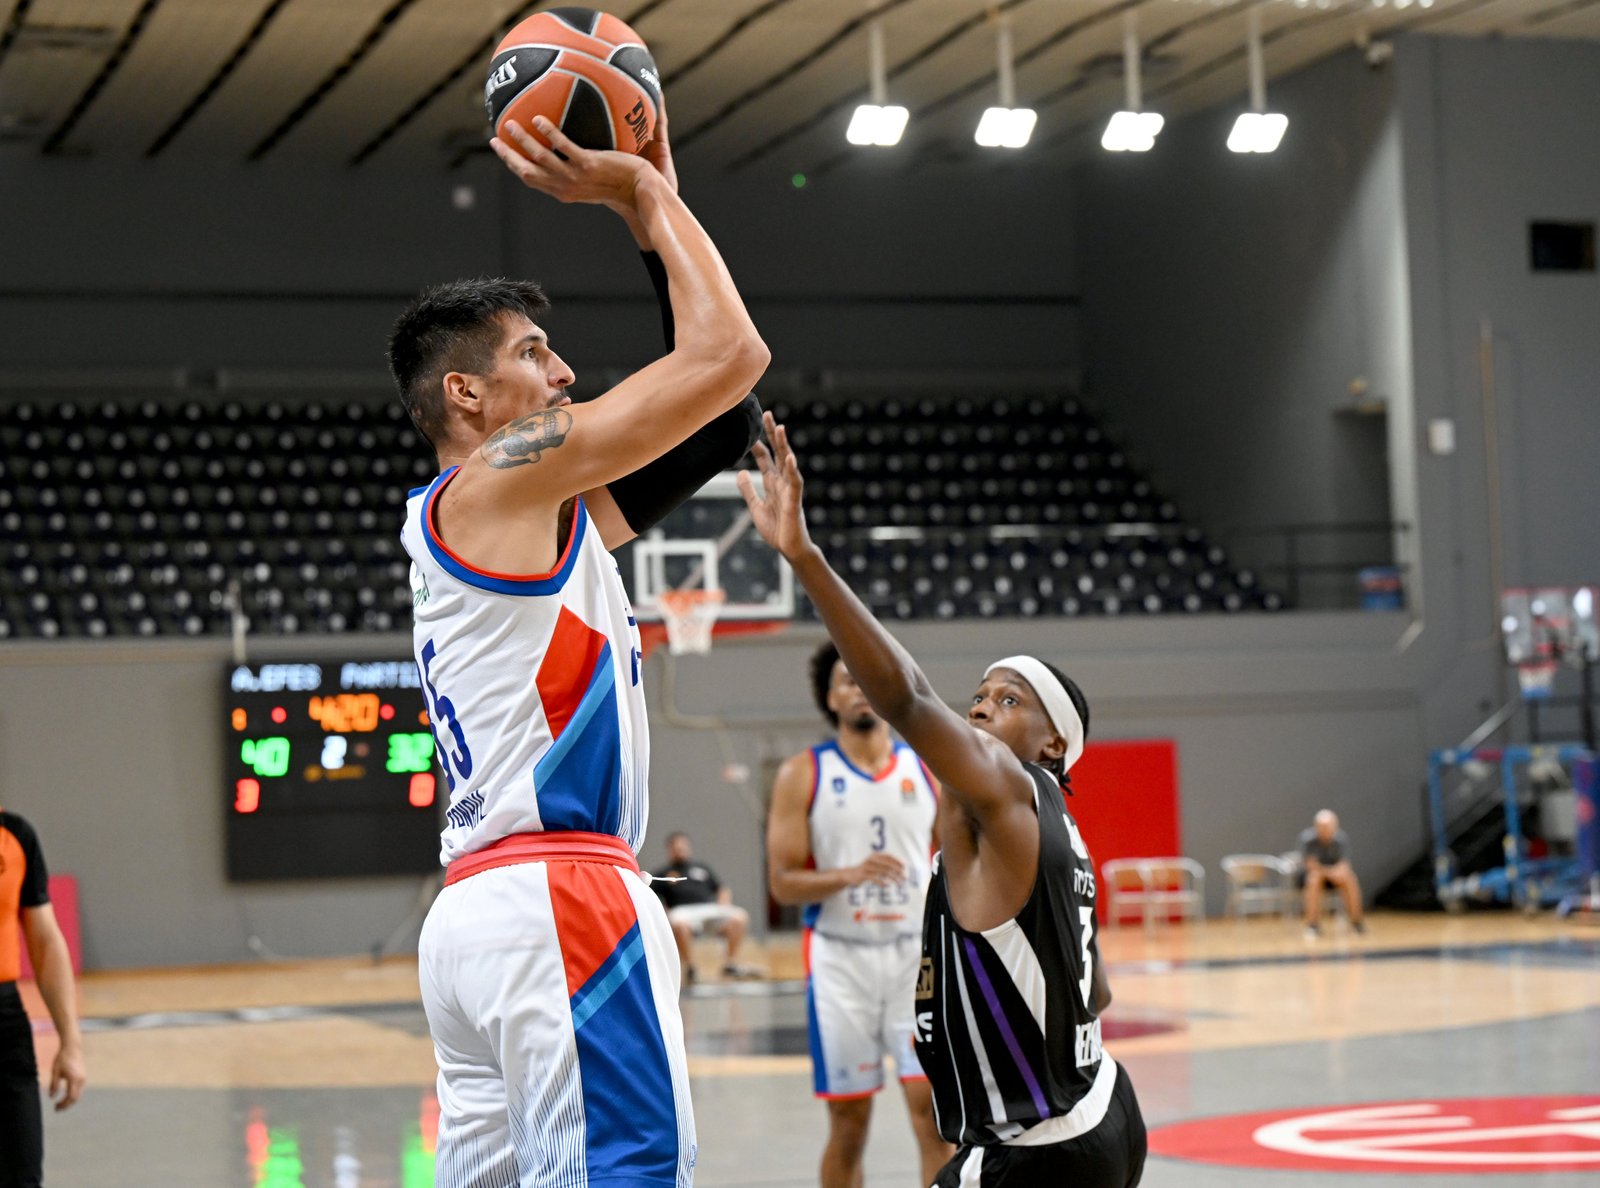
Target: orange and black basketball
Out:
[585,71]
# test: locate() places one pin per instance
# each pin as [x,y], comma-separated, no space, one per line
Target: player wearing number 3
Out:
[850,836]
[549,972]
[1011,985]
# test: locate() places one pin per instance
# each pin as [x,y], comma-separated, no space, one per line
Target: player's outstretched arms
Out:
[716,360]
[977,770]
[789,845]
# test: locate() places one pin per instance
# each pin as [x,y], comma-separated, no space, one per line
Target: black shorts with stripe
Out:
[1109,1156]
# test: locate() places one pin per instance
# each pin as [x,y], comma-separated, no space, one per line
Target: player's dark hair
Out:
[676,834]
[822,662]
[1057,767]
[453,327]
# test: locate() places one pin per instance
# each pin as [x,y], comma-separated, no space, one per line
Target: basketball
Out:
[585,71]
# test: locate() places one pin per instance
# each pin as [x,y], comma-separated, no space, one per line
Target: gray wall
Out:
[1271,283]
[260,267]
[114,753]
[1497,134]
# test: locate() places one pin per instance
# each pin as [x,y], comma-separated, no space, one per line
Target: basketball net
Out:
[689,615]
[1537,679]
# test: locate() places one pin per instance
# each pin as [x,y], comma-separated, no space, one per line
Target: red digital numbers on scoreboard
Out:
[346,713]
[246,795]
[422,789]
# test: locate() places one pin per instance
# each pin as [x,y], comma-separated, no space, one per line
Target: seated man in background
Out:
[697,901]
[1325,850]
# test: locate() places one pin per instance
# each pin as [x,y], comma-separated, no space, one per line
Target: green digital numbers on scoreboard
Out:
[410,752]
[267,757]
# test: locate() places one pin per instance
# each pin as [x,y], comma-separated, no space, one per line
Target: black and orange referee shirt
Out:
[24,883]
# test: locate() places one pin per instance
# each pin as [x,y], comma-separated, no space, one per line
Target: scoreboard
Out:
[328,770]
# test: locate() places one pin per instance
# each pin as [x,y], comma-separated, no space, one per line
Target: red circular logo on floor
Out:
[1459,1135]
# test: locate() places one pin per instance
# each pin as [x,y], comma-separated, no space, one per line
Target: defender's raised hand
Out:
[569,173]
[778,512]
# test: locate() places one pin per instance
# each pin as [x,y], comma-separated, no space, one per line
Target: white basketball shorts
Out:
[860,1007]
[551,989]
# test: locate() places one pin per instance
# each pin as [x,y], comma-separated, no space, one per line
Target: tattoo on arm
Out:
[525,439]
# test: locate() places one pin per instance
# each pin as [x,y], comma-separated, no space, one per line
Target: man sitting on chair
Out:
[1325,851]
[696,901]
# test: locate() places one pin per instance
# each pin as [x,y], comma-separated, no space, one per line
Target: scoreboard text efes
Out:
[329,770]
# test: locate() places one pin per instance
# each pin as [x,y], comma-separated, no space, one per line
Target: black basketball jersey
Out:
[1005,1025]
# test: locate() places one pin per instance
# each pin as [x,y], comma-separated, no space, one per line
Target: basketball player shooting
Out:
[849,836]
[549,972]
[1011,984]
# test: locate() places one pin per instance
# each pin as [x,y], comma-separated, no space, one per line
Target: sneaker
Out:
[735,969]
[1312,932]
[1360,927]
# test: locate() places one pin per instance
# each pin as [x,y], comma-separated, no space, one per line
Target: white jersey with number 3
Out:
[532,686]
[855,815]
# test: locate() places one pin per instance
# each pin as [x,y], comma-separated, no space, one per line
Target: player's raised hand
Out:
[569,173]
[778,512]
[659,152]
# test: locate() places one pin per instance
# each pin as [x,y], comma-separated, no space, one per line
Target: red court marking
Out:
[1460,1136]
[1125,801]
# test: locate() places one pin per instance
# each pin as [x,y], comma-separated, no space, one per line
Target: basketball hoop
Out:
[1537,679]
[689,615]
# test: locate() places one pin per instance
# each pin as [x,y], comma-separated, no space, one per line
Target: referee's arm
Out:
[52,963]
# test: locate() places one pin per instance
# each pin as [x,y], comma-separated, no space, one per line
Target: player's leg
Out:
[902,961]
[932,1150]
[474,1143]
[733,929]
[601,1096]
[843,1159]
[846,1054]
[1343,876]
[21,1121]
[683,930]
[1313,897]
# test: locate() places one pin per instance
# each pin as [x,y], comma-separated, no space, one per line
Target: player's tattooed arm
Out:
[524,440]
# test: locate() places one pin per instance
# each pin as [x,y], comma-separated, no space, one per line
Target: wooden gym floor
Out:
[320,1073]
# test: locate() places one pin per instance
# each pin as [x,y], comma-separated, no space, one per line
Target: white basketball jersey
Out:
[854,815]
[532,687]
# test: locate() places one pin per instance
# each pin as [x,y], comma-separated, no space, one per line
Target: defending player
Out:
[849,836]
[1011,985]
[548,969]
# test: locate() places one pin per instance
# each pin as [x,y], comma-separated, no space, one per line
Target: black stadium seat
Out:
[145,519]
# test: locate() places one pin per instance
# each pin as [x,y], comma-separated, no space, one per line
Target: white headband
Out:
[1057,705]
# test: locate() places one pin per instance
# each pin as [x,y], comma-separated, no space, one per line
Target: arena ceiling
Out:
[751,84]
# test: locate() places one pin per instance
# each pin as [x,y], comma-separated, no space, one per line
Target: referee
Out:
[25,900]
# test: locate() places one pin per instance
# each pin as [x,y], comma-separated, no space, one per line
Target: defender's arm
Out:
[976,770]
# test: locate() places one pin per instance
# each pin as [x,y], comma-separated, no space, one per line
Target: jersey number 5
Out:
[457,764]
